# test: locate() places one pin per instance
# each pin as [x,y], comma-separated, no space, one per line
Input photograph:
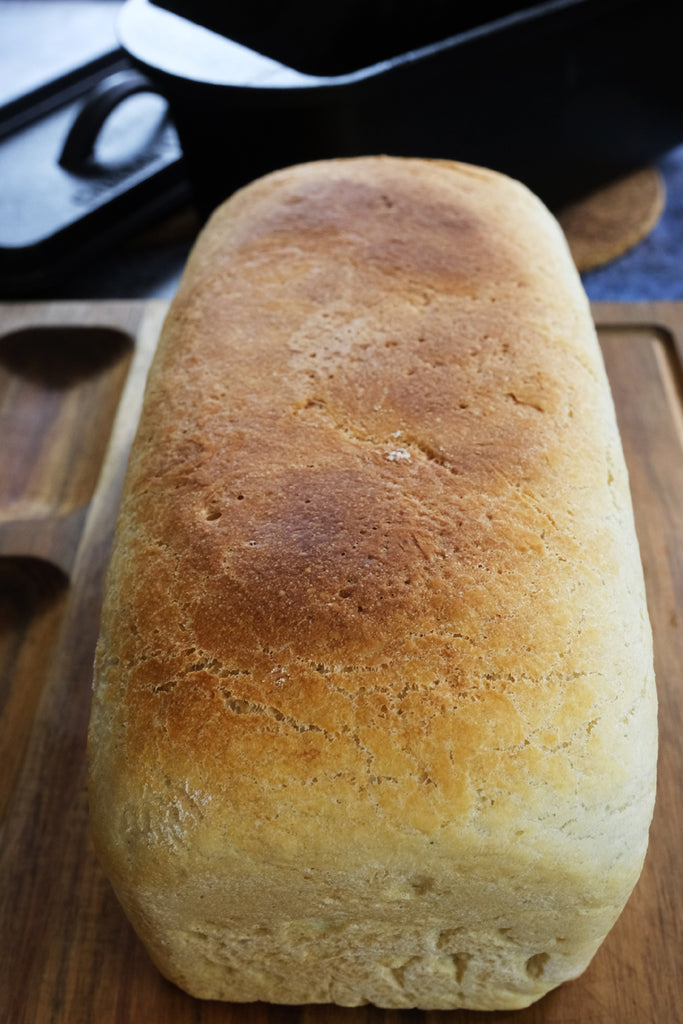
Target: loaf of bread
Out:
[374,715]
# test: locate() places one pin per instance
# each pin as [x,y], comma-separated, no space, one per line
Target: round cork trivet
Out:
[610,221]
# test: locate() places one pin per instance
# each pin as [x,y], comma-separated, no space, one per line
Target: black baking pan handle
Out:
[107,94]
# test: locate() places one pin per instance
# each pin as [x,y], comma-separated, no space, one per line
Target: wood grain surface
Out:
[71,380]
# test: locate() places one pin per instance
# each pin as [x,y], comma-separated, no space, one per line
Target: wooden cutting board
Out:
[71,380]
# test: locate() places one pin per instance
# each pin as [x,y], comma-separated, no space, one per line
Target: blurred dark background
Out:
[114,213]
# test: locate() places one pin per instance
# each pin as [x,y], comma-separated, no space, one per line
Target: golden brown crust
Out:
[375,600]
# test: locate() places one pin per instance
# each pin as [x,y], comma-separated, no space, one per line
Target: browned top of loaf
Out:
[376,535]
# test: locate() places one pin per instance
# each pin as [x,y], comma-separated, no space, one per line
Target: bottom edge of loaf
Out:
[489,977]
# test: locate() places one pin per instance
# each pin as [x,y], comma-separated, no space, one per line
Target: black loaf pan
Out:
[564,95]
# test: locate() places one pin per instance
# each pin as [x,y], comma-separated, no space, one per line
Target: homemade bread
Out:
[374,712]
